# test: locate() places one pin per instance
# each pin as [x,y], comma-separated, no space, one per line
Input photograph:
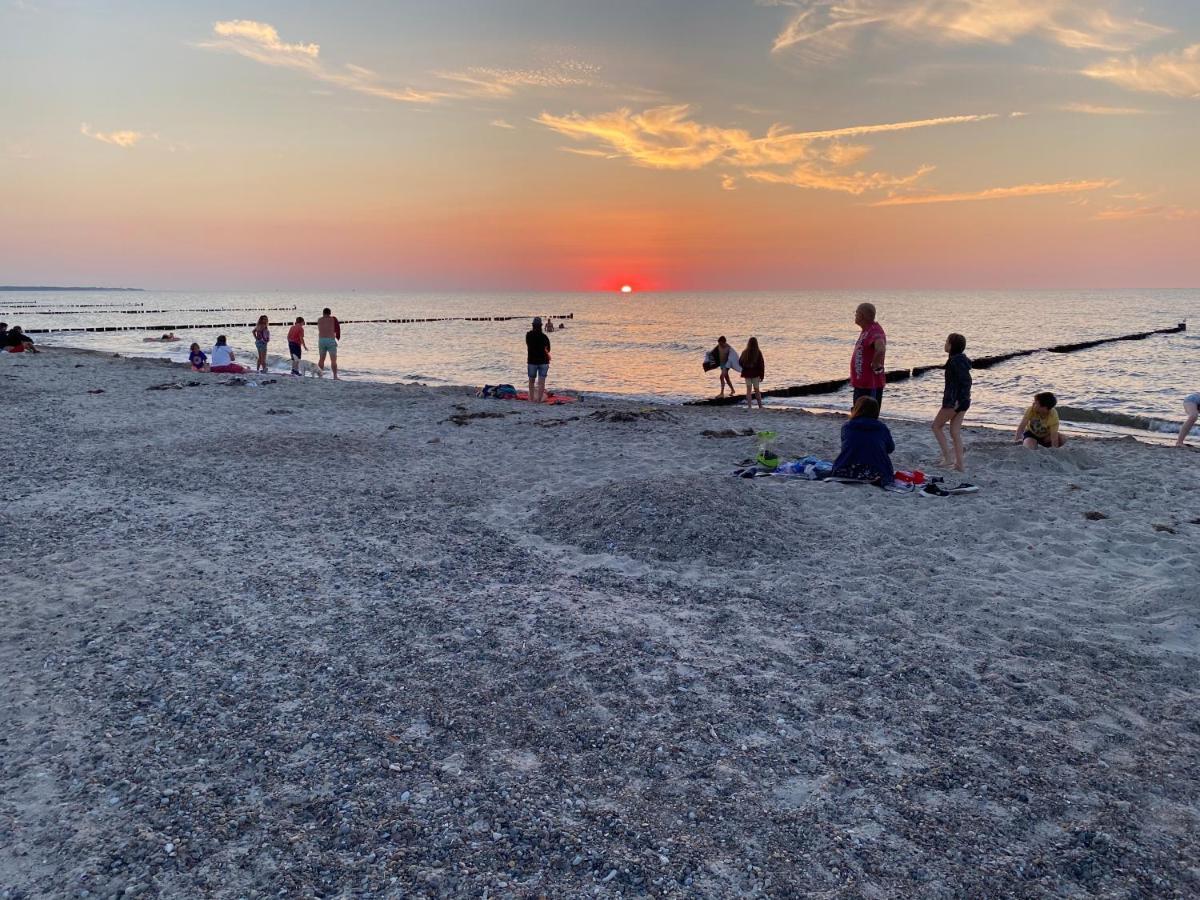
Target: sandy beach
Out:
[317,639]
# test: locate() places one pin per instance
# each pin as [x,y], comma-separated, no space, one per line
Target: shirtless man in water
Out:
[329,332]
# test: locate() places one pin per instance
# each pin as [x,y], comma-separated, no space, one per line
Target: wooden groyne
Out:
[145,312]
[210,326]
[895,375]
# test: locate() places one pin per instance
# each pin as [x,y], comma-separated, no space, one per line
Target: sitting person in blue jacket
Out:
[866,443]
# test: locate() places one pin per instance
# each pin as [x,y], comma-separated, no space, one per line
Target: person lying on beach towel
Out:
[222,359]
[866,445]
[1039,425]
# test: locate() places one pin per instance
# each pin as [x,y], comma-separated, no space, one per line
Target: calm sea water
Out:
[651,345]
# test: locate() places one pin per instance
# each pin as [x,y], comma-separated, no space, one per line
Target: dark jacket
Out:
[866,444]
[957,394]
[538,346]
[753,365]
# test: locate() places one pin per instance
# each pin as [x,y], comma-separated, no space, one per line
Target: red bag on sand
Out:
[906,477]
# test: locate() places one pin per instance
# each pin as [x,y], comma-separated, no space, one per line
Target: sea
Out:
[650,346]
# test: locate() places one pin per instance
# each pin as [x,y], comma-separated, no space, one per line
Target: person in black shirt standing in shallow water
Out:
[538,359]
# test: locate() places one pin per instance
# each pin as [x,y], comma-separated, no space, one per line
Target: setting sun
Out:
[626,289]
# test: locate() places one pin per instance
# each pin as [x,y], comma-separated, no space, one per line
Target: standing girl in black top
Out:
[956,400]
[537,346]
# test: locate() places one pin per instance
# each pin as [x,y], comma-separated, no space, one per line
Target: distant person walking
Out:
[262,337]
[329,332]
[956,400]
[1191,405]
[223,359]
[727,358]
[537,358]
[754,370]
[866,364]
[296,343]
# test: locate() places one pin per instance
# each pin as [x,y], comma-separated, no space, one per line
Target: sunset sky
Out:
[581,144]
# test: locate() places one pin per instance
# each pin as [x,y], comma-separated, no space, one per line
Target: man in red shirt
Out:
[866,365]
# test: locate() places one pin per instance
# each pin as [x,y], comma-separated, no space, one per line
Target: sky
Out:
[564,145]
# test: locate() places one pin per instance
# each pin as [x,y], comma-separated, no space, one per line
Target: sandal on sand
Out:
[933,490]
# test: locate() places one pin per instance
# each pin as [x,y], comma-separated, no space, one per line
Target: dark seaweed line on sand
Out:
[894,375]
[193,327]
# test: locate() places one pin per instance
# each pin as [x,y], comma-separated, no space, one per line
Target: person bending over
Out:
[866,445]
[1039,425]
[1191,405]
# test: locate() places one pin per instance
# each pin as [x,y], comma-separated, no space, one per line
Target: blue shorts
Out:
[875,394]
[294,349]
[260,346]
[327,345]
[538,371]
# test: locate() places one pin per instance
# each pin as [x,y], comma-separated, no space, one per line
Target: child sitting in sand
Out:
[866,445]
[222,359]
[956,400]
[198,358]
[1191,405]
[1039,425]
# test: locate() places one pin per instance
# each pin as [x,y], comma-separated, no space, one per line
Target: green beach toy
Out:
[767,457]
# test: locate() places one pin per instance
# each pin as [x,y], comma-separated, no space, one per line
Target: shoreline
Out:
[1090,430]
[388,639]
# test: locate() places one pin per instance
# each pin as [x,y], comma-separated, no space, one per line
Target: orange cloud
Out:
[1002,193]
[123,139]
[1124,214]
[664,137]
[1174,74]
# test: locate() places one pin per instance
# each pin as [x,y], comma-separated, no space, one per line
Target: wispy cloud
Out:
[1174,74]
[823,29]
[500,123]
[261,42]
[123,139]
[1001,193]
[479,81]
[665,137]
[1162,211]
[1091,109]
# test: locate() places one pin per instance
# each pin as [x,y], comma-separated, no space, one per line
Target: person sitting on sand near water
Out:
[17,341]
[1191,405]
[197,358]
[1039,425]
[866,445]
[223,359]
